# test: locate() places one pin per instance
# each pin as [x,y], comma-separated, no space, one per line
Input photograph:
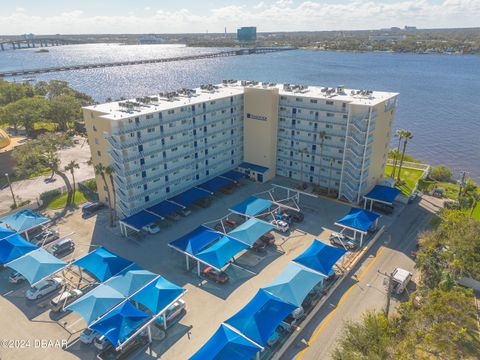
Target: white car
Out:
[43,288]
[59,302]
[16,278]
[151,229]
[88,335]
[280,225]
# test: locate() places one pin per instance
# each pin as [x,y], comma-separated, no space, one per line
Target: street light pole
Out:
[389,291]
[11,190]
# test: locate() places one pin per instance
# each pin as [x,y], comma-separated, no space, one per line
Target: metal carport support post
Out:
[198,268]
[187,261]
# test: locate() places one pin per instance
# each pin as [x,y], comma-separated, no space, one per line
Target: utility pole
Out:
[11,190]
[389,278]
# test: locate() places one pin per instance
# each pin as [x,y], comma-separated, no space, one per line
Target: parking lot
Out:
[208,303]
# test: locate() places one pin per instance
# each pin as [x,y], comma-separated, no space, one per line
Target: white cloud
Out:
[282,15]
[20,9]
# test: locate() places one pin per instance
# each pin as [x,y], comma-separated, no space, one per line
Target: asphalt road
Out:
[364,290]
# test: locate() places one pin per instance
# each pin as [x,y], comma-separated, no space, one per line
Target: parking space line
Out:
[327,319]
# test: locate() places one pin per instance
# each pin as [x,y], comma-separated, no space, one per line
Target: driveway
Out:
[32,188]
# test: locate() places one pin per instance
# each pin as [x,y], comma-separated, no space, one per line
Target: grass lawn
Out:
[476,212]
[409,176]
[60,201]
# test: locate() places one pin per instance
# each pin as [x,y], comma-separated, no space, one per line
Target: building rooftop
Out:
[168,100]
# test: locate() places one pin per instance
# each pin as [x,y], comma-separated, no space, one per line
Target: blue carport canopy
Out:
[13,247]
[250,231]
[164,208]
[261,316]
[320,257]
[358,220]
[251,206]
[37,265]
[196,240]
[294,283]
[102,263]
[221,252]
[130,280]
[141,219]
[383,194]
[95,303]
[24,220]
[118,324]
[234,175]
[190,196]
[215,184]
[158,295]
[4,232]
[226,344]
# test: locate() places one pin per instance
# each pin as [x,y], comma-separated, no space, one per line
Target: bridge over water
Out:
[37,42]
[226,53]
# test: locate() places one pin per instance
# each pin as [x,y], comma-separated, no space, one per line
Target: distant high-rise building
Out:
[410,28]
[247,33]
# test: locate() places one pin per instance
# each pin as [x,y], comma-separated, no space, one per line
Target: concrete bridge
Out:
[36,42]
[238,52]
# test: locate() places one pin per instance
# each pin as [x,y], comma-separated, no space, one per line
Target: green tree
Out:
[72,165]
[110,170]
[11,92]
[369,339]
[64,109]
[398,134]
[440,173]
[40,154]
[101,170]
[25,112]
[406,135]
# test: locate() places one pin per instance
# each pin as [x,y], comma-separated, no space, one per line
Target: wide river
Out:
[439,94]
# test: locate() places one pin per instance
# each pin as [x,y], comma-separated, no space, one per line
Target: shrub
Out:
[441,173]
[91,185]
[48,196]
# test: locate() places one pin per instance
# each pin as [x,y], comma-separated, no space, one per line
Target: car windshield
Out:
[87,331]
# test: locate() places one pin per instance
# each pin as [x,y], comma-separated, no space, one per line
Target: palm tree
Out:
[398,134]
[100,170]
[332,160]
[72,165]
[302,152]
[406,135]
[322,135]
[110,170]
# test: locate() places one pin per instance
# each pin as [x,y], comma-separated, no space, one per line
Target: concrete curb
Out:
[278,354]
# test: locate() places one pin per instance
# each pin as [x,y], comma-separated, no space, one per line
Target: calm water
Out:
[439,94]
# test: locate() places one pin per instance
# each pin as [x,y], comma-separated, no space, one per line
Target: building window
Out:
[96,141]
[329,126]
[330,114]
[150,130]
[94,128]
[147,198]
[329,102]
[149,116]
[99,153]
[313,101]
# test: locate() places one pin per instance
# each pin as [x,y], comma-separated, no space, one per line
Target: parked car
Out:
[109,352]
[204,202]
[151,229]
[184,212]
[173,216]
[228,189]
[228,223]
[268,238]
[59,302]
[296,216]
[16,278]
[101,342]
[44,288]
[45,237]
[62,248]
[383,208]
[88,335]
[259,246]
[49,180]
[220,277]
[341,240]
[90,208]
[280,225]
[172,313]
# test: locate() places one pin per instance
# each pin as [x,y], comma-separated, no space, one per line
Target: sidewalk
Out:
[32,188]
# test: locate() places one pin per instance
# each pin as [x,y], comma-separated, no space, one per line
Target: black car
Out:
[63,247]
[296,216]
[91,208]
[383,208]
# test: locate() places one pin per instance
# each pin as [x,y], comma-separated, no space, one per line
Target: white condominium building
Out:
[162,145]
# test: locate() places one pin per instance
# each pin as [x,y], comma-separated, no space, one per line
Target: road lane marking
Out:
[327,319]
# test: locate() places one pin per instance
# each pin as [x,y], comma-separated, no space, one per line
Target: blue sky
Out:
[165,16]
